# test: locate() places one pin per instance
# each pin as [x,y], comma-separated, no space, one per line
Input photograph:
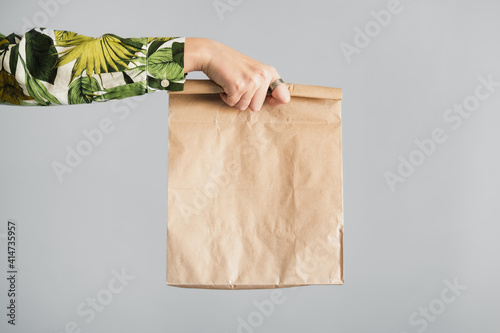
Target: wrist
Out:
[196,54]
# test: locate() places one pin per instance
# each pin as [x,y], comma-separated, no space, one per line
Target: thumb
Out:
[280,94]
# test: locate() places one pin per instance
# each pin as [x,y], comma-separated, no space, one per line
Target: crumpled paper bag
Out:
[254,198]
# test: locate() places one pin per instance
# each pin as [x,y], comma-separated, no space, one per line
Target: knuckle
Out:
[272,70]
[262,74]
[258,77]
[238,87]
[255,82]
[252,81]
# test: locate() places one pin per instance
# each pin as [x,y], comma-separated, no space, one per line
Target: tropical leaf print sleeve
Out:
[52,67]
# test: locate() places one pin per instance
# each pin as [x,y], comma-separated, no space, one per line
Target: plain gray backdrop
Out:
[438,225]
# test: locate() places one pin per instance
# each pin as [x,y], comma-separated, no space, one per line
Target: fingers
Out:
[255,99]
[230,99]
[245,100]
[259,98]
[240,96]
[251,91]
[281,94]
[250,98]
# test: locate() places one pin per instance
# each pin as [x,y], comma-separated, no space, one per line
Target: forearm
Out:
[49,67]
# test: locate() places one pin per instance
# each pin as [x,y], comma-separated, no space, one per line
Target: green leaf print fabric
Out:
[53,67]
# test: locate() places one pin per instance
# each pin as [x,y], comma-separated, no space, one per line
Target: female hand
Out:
[245,80]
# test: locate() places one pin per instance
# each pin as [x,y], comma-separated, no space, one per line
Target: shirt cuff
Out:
[165,63]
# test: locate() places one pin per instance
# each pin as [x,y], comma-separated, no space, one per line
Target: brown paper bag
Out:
[254,198]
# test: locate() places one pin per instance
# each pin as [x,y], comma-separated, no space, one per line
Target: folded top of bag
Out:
[296,90]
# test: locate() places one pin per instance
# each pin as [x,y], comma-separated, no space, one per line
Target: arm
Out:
[47,67]
[50,67]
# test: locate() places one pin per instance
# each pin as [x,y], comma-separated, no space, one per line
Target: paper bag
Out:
[254,198]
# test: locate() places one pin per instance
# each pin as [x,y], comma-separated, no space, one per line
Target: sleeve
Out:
[53,67]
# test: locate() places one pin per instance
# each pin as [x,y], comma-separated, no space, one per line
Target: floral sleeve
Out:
[51,67]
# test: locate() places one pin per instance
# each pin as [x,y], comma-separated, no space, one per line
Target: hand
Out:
[245,80]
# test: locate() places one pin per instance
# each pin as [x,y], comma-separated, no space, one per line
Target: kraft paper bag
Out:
[254,198]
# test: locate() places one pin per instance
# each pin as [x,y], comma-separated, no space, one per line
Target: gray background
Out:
[400,246]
